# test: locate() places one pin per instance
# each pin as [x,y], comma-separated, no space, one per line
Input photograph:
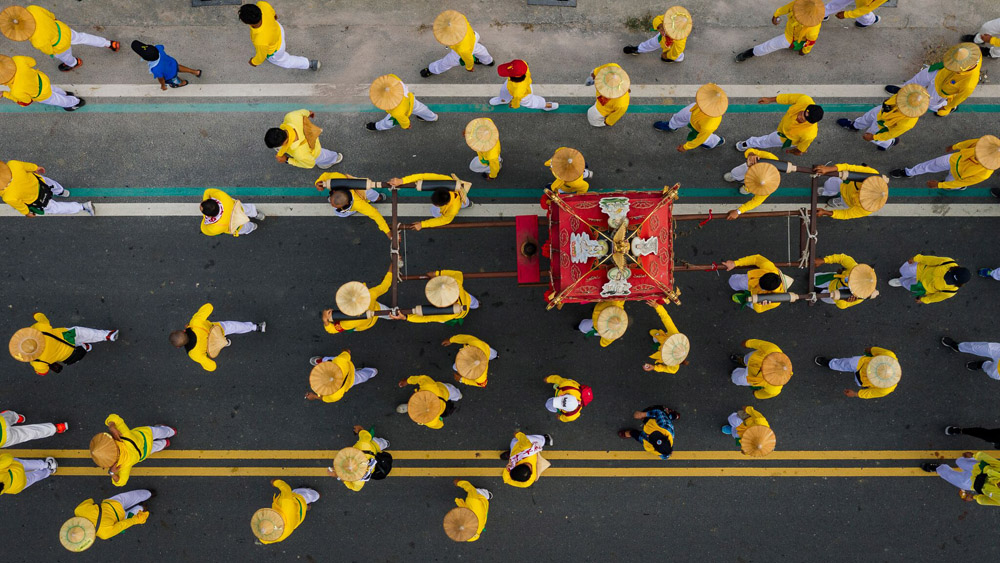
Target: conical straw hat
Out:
[461,524]
[27,344]
[762,179]
[351,464]
[7,69]
[862,281]
[809,12]
[77,534]
[712,100]
[883,371]
[677,22]
[962,57]
[424,407]
[758,441]
[267,524]
[611,323]
[776,368]
[103,450]
[912,100]
[674,349]
[216,341]
[17,23]
[471,362]
[442,291]
[873,193]
[450,27]
[988,151]
[353,298]
[481,134]
[612,82]
[326,378]
[386,92]
[568,164]
[5,175]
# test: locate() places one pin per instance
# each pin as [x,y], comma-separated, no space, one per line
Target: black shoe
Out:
[929,467]
[995,192]
[663,126]
[370,126]
[505,455]
[64,68]
[975,366]
[821,361]
[631,50]
[898,173]
[952,431]
[548,439]
[425,73]
[847,124]
[77,106]
[949,343]
[737,359]
[892,144]
[744,55]
[722,141]
[892,89]
[968,38]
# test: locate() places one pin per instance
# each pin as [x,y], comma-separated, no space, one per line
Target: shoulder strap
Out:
[54,337]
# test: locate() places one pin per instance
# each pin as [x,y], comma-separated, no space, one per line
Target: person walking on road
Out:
[19,474]
[570,171]
[443,290]
[884,124]
[991,435]
[482,136]
[702,117]
[31,193]
[863,12]
[877,373]
[445,202]
[347,200]
[657,434]
[797,129]
[26,85]
[859,280]
[454,31]
[760,179]
[967,163]
[988,38]
[951,81]
[672,345]
[977,477]
[609,321]
[120,448]
[49,349]
[13,431]
[224,215]
[204,339]
[738,173]
[570,398]
[857,198]
[472,363]
[466,522]
[931,279]
[672,30]
[296,142]
[287,512]
[751,431]
[765,369]
[333,376]
[356,299]
[49,35]
[613,88]
[805,17]
[763,279]
[162,66]
[104,520]
[365,461]
[268,38]
[525,463]
[431,402]
[516,90]
[389,94]
[988,350]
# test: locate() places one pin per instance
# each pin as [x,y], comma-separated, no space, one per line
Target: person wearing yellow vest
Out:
[858,279]
[516,90]
[673,28]
[672,345]
[570,398]
[738,173]
[609,321]
[570,171]
[446,203]
[120,448]
[287,512]
[472,365]
[48,348]
[296,142]
[224,215]
[431,401]
[805,17]
[877,373]
[702,117]
[857,198]
[197,337]
[454,31]
[13,431]
[49,35]
[612,84]
[977,477]
[797,129]
[332,381]
[482,136]
[24,187]
[761,179]
[104,520]
[362,462]
[950,81]
[763,279]
[967,163]
[268,38]
[467,522]
[351,300]
[863,12]
[524,459]
[742,420]
[931,279]
[765,368]
[391,95]
[657,434]
[26,85]
[444,293]
[883,124]
[988,38]
[347,201]
[19,474]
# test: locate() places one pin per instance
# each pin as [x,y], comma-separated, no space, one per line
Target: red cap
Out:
[514,68]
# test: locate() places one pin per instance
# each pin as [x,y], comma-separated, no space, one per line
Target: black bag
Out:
[44,196]
[383,465]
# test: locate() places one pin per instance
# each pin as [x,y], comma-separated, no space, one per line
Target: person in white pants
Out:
[531,101]
[420,110]
[132,501]
[284,60]
[54,207]
[452,59]
[990,45]
[926,79]
[683,118]
[837,6]
[11,435]
[264,29]
[961,478]
[34,471]
[989,350]
[869,124]
[739,375]
[79,38]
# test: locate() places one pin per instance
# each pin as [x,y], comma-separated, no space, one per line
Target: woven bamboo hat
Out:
[461,524]
[103,450]
[674,349]
[776,368]
[712,100]
[351,464]
[424,407]
[862,281]
[326,378]
[962,57]
[988,151]
[17,23]
[386,92]
[611,323]
[758,441]
[450,27]
[216,341]
[762,179]
[568,164]
[442,291]
[677,22]
[471,362]
[883,371]
[612,82]
[481,134]
[267,524]
[77,534]
[809,12]
[912,100]
[7,69]
[353,298]
[873,193]
[27,344]
[5,175]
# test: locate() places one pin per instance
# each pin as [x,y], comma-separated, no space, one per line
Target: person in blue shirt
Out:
[162,66]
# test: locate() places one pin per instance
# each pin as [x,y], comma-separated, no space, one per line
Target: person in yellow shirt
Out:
[333,376]
[967,163]
[742,420]
[120,448]
[702,117]
[446,201]
[391,95]
[13,431]
[48,348]
[988,38]
[931,279]
[367,460]
[223,214]
[467,522]
[18,474]
[863,12]
[24,187]
[858,279]
[805,17]
[657,434]
[609,321]
[347,199]
[951,81]
[877,373]
[454,31]
[797,129]
[524,459]
[516,90]
[977,477]
[199,335]
[857,197]
[570,398]
[763,279]
[612,84]
[672,29]
[104,520]
[738,173]
[761,179]
[482,136]
[672,345]
[765,368]
[570,171]
[296,142]
[444,293]
[26,85]
[49,35]
[884,124]
[352,300]
[431,402]
[268,38]
[472,364]
[287,512]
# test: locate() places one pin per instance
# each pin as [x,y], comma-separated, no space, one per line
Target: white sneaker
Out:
[112,336]
[64,193]
[89,209]
[386,445]
[315,360]
[260,216]
[228,343]
[551,106]
[895,282]
[262,326]
[403,408]
[587,173]
[729,177]
[51,463]
[87,347]
[741,146]
[744,190]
